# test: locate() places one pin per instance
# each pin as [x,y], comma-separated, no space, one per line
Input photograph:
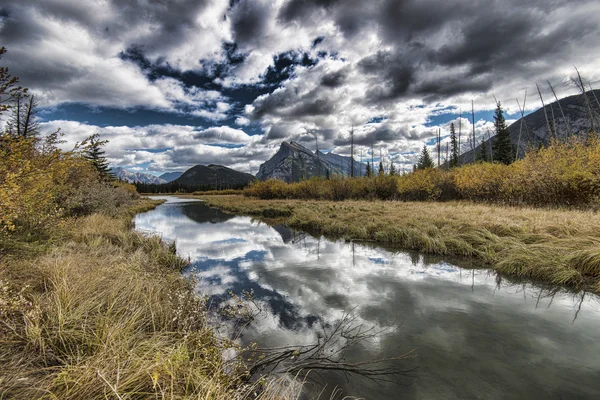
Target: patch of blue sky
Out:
[378,260]
[377,120]
[446,117]
[104,116]
[158,150]
[230,241]
[226,145]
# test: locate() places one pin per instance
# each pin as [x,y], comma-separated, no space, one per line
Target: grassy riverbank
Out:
[555,246]
[96,310]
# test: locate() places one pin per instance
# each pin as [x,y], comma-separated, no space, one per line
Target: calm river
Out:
[476,336]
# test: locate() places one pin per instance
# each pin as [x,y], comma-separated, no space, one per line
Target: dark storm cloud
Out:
[301,9]
[248,22]
[382,134]
[296,68]
[495,37]
[334,79]
[393,75]
[288,103]
[284,65]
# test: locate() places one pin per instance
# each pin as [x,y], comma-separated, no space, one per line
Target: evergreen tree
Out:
[454,143]
[9,87]
[482,155]
[503,147]
[392,169]
[92,151]
[368,169]
[381,170]
[425,160]
[327,174]
[22,122]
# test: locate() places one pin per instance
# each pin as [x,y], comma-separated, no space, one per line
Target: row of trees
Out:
[502,149]
[39,182]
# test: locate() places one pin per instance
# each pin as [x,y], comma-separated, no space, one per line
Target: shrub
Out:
[482,182]
[271,189]
[563,174]
[41,184]
[427,184]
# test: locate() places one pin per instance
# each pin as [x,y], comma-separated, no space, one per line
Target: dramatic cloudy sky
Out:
[176,83]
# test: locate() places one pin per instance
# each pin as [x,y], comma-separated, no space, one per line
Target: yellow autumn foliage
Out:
[40,185]
[562,174]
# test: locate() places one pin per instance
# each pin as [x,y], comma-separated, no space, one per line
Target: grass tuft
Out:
[551,245]
[106,314]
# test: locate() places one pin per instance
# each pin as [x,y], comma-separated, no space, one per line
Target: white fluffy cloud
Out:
[159,148]
[385,67]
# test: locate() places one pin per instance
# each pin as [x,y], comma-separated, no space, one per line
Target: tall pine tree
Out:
[92,151]
[381,170]
[368,169]
[392,169]
[454,143]
[425,160]
[482,155]
[503,147]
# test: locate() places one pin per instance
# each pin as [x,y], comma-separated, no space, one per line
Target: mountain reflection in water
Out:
[476,335]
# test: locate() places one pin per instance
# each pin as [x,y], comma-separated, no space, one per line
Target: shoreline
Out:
[100,309]
[558,247]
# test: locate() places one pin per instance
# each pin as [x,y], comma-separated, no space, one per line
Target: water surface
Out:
[477,335]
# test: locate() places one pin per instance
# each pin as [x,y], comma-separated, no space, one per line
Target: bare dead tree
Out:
[473,123]
[447,161]
[317,153]
[581,86]
[361,163]
[372,158]
[550,135]
[522,111]
[438,146]
[490,142]
[352,152]
[459,132]
[594,94]
[521,125]
[562,112]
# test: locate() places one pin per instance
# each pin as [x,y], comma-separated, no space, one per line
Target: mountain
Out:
[535,129]
[132,177]
[170,176]
[293,162]
[214,177]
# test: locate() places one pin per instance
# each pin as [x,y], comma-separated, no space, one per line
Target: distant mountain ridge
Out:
[294,162]
[133,177]
[170,176]
[214,177]
[535,129]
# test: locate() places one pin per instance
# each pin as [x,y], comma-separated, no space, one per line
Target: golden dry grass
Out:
[105,314]
[555,246]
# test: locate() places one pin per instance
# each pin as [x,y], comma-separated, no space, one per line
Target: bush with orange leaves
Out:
[562,174]
[427,184]
[41,184]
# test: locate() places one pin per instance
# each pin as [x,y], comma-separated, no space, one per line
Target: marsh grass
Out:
[555,246]
[104,313]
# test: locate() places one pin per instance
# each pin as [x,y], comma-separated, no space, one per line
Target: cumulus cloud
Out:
[297,69]
[160,148]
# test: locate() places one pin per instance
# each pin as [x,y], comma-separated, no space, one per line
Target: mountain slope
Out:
[214,177]
[170,176]
[294,162]
[535,129]
[132,177]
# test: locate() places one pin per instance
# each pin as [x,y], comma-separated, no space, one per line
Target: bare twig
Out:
[545,112]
